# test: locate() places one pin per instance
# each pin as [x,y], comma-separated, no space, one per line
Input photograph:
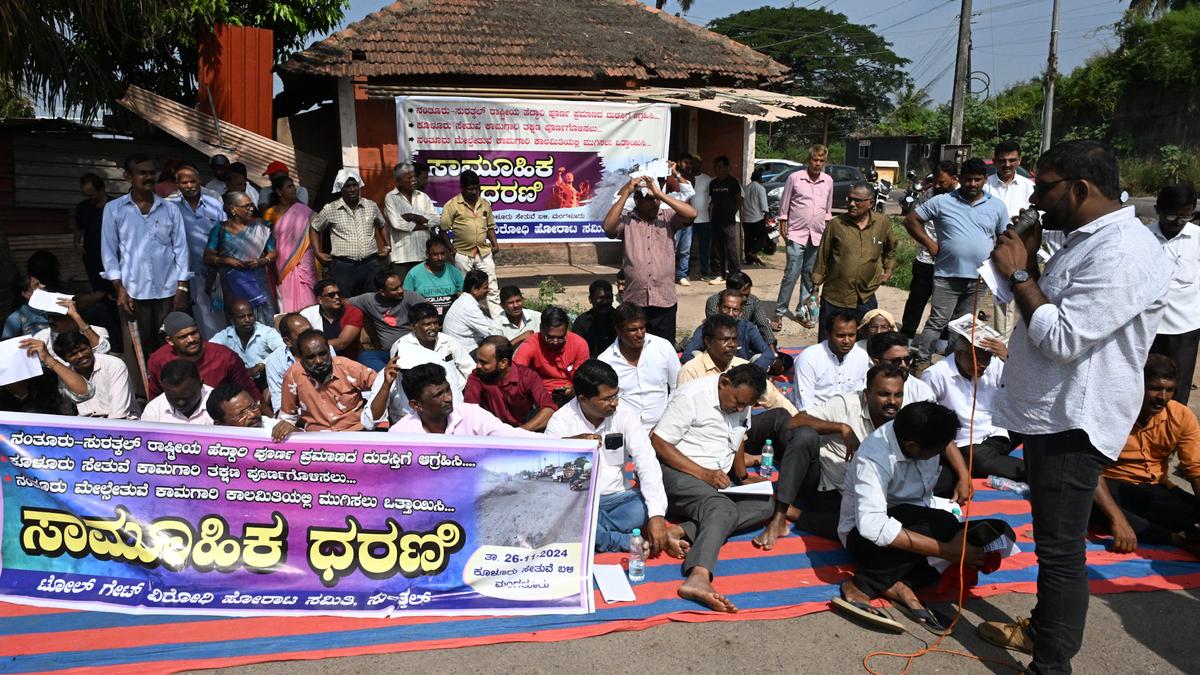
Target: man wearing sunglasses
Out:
[857,255]
[1072,384]
[1179,333]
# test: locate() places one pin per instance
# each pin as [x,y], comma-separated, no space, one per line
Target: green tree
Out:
[78,55]
[12,102]
[1154,7]
[684,5]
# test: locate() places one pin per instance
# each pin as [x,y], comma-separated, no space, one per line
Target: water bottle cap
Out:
[769,441]
[637,532]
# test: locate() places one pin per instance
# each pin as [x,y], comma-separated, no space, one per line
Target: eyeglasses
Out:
[858,200]
[331,295]
[1041,188]
[898,360]
[248,205]
[249,411]
[1179,220]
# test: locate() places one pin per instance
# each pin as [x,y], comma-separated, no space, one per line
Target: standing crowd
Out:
[251,309]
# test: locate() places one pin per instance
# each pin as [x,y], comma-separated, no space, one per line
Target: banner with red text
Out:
[140,517]
[550,169]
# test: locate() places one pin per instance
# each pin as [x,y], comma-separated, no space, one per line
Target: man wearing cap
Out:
[356,236]
[216,363]
[469,216]
[264,195]
[220,168]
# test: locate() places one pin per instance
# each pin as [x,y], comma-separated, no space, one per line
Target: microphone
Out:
[1025,220]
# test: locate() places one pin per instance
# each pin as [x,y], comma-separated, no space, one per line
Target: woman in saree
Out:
[296,267]
[240,251]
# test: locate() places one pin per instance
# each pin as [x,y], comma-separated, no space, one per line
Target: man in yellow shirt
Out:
[469,217]
[1135,498]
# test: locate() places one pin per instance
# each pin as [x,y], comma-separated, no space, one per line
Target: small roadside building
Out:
[344,88]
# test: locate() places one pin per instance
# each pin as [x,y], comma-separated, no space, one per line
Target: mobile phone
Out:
[614,441]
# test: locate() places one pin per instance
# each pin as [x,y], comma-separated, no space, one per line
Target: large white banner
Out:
[550,169]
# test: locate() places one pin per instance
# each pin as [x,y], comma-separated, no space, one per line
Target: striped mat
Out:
[799,577]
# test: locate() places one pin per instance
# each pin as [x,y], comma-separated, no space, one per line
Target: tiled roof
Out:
[532,38]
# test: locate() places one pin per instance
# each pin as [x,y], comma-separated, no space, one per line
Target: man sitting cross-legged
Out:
[595,410]
[891,348]
[646,364]
[1135,498]
[434,410]
[751,345]
[831,366]
[720,333]
[698,439]
[510,392]
[887,521]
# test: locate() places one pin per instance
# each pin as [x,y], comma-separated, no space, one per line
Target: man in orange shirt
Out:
[328,393]
[1135,497]
[554,353]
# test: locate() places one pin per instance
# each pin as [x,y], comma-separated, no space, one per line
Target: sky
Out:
[1010,37]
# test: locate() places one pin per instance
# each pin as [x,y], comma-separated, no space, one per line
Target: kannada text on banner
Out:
[214,520]
[551,169]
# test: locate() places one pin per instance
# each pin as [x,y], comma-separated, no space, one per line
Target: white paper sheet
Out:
[613,583]
[762,488]
[963,325]
[1000,287]
[15,363]
[48,302]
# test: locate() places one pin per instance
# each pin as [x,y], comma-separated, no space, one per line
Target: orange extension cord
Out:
[933,648]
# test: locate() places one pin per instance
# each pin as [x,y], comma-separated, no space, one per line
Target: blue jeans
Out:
[620,512]
[683,251]
[374,359]
[800,261]
[703,246]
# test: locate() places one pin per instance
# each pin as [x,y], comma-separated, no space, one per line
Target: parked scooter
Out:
[912,194]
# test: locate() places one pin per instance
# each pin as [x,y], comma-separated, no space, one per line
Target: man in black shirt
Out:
[725,201]
[596,324]
[89,217]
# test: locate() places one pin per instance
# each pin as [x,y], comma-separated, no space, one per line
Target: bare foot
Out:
[677,546]
[793,514]
[699,589]
[901,593]
[853,593]
[776,529]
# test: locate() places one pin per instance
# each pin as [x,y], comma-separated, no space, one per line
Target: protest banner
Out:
[140,517]
[549,168]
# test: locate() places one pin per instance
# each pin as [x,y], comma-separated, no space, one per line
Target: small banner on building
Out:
[144,518]
[550,169]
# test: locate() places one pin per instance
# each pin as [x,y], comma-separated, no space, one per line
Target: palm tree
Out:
[685,5]
[1157,7]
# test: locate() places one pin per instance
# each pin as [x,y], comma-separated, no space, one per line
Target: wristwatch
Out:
[1018,277]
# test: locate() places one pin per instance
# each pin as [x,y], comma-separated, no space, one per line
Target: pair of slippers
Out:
[876,617]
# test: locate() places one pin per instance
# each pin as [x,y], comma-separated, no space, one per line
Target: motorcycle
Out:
[912,194]
[882,190]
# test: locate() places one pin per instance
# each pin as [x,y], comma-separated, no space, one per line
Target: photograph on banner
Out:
[550,169]
[140,517]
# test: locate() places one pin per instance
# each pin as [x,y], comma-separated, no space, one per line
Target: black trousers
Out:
[919,293]
[993,457]
[149,316]
[879,567]
[822,514]
[355,278]
[1181,349]
[1064,469]
[660,321]
[709,517]
[754,238]
[1155,512]
[796,455]
[725,248]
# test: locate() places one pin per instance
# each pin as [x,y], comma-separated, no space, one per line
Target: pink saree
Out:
[295,264]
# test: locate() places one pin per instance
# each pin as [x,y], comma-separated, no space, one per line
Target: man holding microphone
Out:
[1071,384]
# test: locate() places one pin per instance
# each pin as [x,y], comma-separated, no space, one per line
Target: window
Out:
[864,149]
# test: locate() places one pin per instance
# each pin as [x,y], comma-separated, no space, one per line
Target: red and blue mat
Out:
[798,577]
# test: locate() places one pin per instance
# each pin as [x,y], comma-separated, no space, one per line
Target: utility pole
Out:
[962,73]
[1048,82]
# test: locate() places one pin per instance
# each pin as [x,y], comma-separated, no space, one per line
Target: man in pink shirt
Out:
[434,412]
[804,209]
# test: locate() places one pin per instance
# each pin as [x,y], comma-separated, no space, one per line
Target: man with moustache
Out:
[752,346]
[328,393]
[216,363]
[945,179]
[231,406]
[646,364]
[891,348]
[427,334]
[434,411]
[183,396]
[596,324]
[720,335]
[832,366]
[201,212]
[340,321]
[357,243]
[554,353]
[1072,384]
[290,327]
[511,392]
[411,215]
[968,221]
[145,251]
[107,376]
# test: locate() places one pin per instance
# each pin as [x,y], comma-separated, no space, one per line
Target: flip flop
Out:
[866,614]
[777,324]
[932,620]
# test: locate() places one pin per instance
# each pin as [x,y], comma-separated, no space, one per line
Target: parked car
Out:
[773,167]
[843,177]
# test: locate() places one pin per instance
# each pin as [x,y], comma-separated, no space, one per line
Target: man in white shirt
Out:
[427,335]
[435,412]
[645,364]
[410,216]
[1014,190]
[700,442]
[1179,332]
[621,435]
[232,406]
[1072,383]
[832,366]
[754,218]
[701,227]
[891,348]
[465,320]
[108,376]
[515,323]
[220,168]
[71,321]
[968,384]
[888,523]
[252,341]
[183,399]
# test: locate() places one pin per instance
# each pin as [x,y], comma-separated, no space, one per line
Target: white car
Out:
[773,167]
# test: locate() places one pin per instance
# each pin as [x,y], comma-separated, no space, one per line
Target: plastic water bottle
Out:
[815,312]
[1001,483]
[767,468]
[637,557]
